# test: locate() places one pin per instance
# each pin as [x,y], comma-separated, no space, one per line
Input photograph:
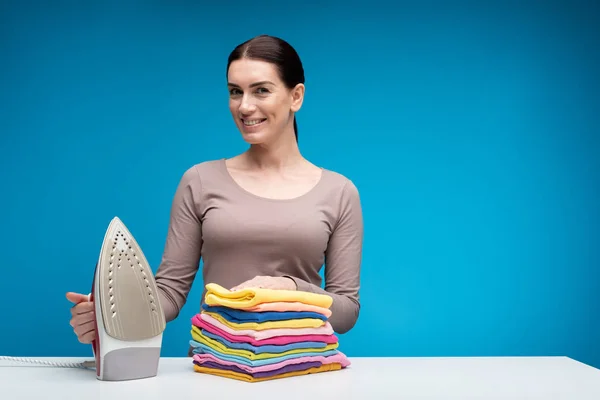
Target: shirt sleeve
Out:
[342,263]
[183,247]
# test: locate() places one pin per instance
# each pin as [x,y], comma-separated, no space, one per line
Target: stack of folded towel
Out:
[262,334]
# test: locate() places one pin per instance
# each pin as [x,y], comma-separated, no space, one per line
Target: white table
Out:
[548,378]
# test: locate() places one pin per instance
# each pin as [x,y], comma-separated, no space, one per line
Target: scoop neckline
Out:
[223,163]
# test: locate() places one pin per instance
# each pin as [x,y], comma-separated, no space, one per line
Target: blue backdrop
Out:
[470,129]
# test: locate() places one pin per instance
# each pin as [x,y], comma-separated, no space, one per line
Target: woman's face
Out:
[261,105]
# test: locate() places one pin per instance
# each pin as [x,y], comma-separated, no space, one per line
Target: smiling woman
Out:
[266,218]
[270,71]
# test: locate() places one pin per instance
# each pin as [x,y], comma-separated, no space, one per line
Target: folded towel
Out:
[221,348]
[340,358]
[201,348]
[239,316]
[249,378]
[214,326]
[265,374]
[326,329]
[217,295]
[288,306]
[264,348]
[262,326]
[257,334]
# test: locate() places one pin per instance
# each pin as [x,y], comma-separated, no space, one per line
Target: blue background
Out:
[471,130]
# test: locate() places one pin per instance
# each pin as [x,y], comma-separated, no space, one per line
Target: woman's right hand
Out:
[82,317]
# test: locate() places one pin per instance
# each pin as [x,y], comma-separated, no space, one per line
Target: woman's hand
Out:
[82,317]
[267,282]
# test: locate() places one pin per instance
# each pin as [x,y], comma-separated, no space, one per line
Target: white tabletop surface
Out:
[548,378]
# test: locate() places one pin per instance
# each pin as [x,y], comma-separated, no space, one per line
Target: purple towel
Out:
[288,368]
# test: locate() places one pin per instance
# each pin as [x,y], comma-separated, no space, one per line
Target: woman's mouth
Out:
[253,122]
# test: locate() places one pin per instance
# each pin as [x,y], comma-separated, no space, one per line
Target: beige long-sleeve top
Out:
[239,235]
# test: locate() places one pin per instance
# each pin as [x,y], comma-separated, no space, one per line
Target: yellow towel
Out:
[249,378]
[217,295]
[261,326]
[220,347]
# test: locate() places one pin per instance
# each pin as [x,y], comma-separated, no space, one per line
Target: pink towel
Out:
[269,336]
[337,358]
[325,329]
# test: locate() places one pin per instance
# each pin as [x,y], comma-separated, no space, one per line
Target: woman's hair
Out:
[275,51]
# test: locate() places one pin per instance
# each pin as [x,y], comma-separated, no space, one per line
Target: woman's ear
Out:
[297,97]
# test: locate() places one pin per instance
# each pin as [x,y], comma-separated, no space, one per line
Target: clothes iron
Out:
[129,317]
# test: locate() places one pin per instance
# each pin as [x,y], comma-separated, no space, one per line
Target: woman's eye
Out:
[234,92]
[263,90]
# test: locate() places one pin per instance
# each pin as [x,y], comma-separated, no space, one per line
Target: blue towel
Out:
[240,316]
[200,348]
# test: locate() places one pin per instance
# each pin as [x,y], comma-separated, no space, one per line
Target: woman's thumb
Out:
[77,297]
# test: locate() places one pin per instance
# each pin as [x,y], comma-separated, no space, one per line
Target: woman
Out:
[265,218]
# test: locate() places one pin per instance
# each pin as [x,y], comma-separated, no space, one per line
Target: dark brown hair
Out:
[276,51]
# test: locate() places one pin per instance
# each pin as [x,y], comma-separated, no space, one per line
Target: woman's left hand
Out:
[267,282]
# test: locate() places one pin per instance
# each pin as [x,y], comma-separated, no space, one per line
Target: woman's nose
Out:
[246,106]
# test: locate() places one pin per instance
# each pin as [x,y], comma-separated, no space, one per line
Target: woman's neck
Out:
[274,157]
